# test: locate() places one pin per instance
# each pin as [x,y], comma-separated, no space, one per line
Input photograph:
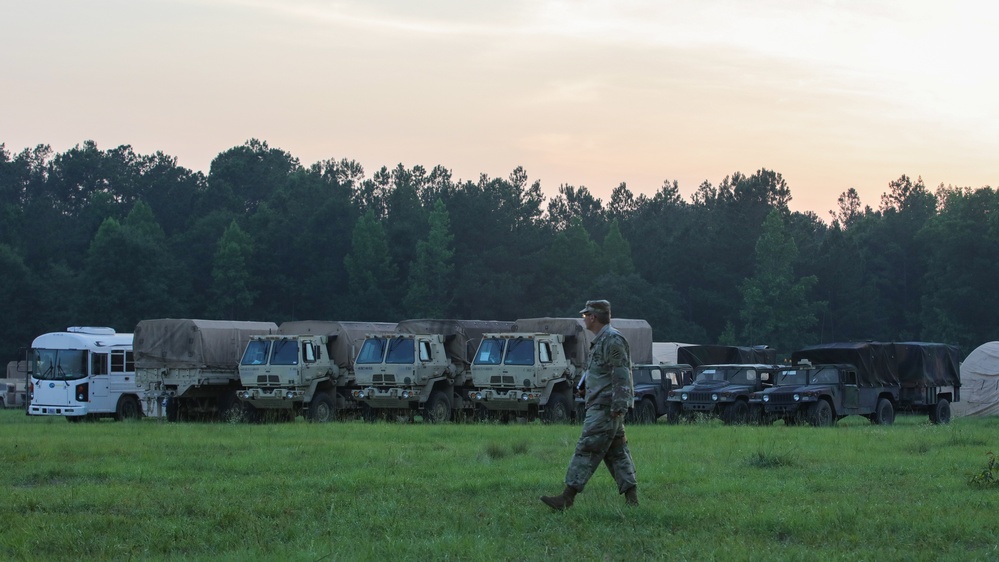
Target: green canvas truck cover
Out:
[578,338]
[345,337]
[193,344]
[875,361]
[922,364]
[697,355]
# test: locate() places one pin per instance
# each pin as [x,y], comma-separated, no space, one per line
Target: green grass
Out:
[346,491]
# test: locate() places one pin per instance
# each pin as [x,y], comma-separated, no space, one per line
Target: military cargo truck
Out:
[304,369]
[722,391]
[873,379]
[14,388]
[422,368]
[531,371]
[189,367]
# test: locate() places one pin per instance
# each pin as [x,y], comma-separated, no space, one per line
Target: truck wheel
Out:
[940,414]
[128,409]
[737,413]
[230,407]
[645,412]
[368,413]
[557,409]
[437,409]
[672,412]
[884,414]
[322,409]
[820,414]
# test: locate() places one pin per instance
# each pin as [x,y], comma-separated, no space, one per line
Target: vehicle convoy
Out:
[531,371]
[189,367]
[653,384]
[14,388]
[83,373]
[722,391]
[305,369]
[424,367]
[873,379]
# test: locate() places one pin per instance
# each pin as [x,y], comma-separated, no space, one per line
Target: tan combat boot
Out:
[631,496]
[561,502]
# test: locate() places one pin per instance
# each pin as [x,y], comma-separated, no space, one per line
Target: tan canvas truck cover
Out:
[461,337]
[194,344]
[578,338]
[345,337]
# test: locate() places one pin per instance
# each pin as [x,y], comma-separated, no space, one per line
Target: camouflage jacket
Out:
[608,377]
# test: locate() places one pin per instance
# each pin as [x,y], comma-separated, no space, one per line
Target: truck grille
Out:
[782,398]
[699,397]
[501,380]
[383,379]
[268,380]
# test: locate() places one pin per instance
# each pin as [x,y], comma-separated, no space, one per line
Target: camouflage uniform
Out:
[609,389]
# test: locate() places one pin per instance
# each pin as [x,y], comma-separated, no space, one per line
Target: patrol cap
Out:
[596,306]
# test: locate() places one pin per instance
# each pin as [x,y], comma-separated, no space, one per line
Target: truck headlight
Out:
[684,396]
[796,397]
[714,397]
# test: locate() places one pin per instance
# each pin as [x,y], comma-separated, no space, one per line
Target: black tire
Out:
[230,408]
[322,409]
[437,408]
[820,414]
[557,410]
[884,413]
[173,409]
[940,412]
[368,413]
[736,413]
[645,412]
[128,409]
[673,412]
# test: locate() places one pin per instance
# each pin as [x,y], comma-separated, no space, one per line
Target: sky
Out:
[831,94]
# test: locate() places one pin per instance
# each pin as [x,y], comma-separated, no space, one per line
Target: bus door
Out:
[100,380]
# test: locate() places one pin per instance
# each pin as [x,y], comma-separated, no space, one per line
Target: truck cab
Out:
[287,372]
[404,371]
[722,391]
[527,373]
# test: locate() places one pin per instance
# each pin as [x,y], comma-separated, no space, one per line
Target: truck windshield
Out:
[256,352]
[789,377]
[520,352]
[401,351]
[59,364]
[372,351]
[285,353]
[713,374]
[490,352]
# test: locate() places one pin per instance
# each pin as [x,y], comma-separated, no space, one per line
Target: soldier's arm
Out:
[622,393]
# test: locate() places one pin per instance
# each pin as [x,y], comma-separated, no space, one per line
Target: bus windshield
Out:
[58,364]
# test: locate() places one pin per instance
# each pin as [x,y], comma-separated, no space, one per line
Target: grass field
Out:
[153,490]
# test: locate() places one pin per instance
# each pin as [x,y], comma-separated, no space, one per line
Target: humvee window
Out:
[791,376]
[825,376]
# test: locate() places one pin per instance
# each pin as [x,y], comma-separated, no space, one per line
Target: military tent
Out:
[979,382]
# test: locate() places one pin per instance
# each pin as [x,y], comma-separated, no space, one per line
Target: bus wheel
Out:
[128,409]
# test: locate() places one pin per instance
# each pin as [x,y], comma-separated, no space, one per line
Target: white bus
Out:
[83,373]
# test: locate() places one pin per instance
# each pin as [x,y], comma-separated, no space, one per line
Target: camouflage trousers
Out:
[602,440]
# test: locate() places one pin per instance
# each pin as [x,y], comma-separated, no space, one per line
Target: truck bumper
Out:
[510,400]
[272,398]
[386,397]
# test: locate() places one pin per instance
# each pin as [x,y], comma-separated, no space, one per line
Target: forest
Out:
[93,237]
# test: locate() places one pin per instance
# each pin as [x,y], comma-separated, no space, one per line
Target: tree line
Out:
[111,237]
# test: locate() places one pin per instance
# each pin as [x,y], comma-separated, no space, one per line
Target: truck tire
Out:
[820,414]
[230,407]
[884,413]
[645,412]
[128,409]
[557,409]
[437,409]
[940,413]
[673,412]
[322,409]
[736,413]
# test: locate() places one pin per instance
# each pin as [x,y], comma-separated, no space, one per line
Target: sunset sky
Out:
[831,94]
